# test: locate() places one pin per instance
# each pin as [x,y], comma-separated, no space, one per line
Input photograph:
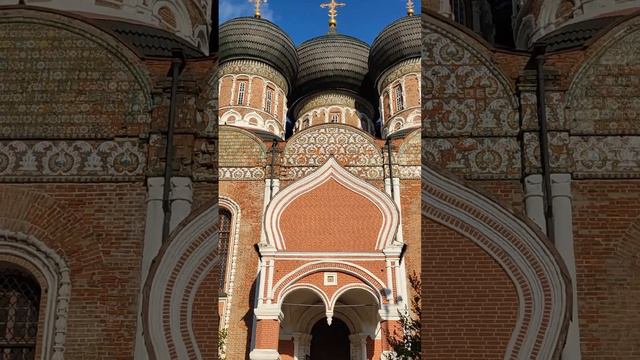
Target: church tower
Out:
[395,67]
[258,67]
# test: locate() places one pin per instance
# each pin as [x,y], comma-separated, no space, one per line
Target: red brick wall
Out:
[607,249]
[249,196]
[468,302]
[103,249]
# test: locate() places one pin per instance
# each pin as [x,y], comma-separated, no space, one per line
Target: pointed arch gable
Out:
[174,278]
[536,270]
[332,171]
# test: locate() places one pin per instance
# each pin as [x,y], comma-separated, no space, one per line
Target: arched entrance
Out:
[330,342]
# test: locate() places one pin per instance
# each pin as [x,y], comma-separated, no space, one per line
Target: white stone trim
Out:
[157,285]
[234,239]
[557,295]
[290,279]
[56,272]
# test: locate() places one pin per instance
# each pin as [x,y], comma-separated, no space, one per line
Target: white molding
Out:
[331,170]
[290,279]
[164,307]
[234,238]
[550,324]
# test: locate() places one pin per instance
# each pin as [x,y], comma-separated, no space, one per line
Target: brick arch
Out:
[175,276]
[41,216]
[534,267]
[368,279]
[383,211]
[608,56]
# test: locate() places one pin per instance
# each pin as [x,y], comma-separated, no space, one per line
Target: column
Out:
[563,233]
[301,345]
[267,332]
[152,243]
[181,199]
[534,200]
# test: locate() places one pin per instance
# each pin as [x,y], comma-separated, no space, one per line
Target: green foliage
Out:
[406,345]
[222,341]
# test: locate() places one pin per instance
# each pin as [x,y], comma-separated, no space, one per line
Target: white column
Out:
[534,200]
[181,199]
[151,246]
[563,235]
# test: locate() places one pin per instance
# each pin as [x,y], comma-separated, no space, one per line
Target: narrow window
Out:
[334,117]
[399,98]
[305,123]
[242,88]
[268,104]
[224,235]
[19,305]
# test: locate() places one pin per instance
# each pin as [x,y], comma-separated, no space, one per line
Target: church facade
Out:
[318,199]
[530,180]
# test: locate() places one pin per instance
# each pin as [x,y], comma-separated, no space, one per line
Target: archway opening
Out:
[330,342]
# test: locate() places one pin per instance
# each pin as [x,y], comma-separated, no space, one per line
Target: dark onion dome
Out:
[399,41]
[249,38]
[333,62]
[576,34]
[149,41]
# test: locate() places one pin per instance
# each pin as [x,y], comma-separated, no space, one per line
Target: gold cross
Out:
[258,5]
[410,7]
[332,13]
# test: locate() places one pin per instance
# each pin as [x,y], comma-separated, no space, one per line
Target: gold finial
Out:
[258,4]
[410,7]
[332,13]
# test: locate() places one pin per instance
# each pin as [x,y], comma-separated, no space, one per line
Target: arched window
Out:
[242,88]
[399,98]
[224,236]
[268,103]
[19,305]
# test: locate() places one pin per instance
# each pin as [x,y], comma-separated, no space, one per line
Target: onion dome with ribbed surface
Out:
[332,62]
[399,41]
[250,38]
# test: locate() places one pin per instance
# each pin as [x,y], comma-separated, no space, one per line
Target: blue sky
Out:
[305,19]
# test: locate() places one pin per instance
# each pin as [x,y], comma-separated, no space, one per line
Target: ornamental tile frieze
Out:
[462,93]
[606,156]
[605,96]
[348,146]
[57,81]
[363,172]
[71,160]
[241,173]
[475,158]
[559,152]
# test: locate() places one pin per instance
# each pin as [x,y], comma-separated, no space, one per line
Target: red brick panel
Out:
[334,218]
[469,302]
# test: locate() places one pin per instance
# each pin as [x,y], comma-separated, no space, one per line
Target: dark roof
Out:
[261,40]
[575,35]
[333,62]
[149,41]
[401,40]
